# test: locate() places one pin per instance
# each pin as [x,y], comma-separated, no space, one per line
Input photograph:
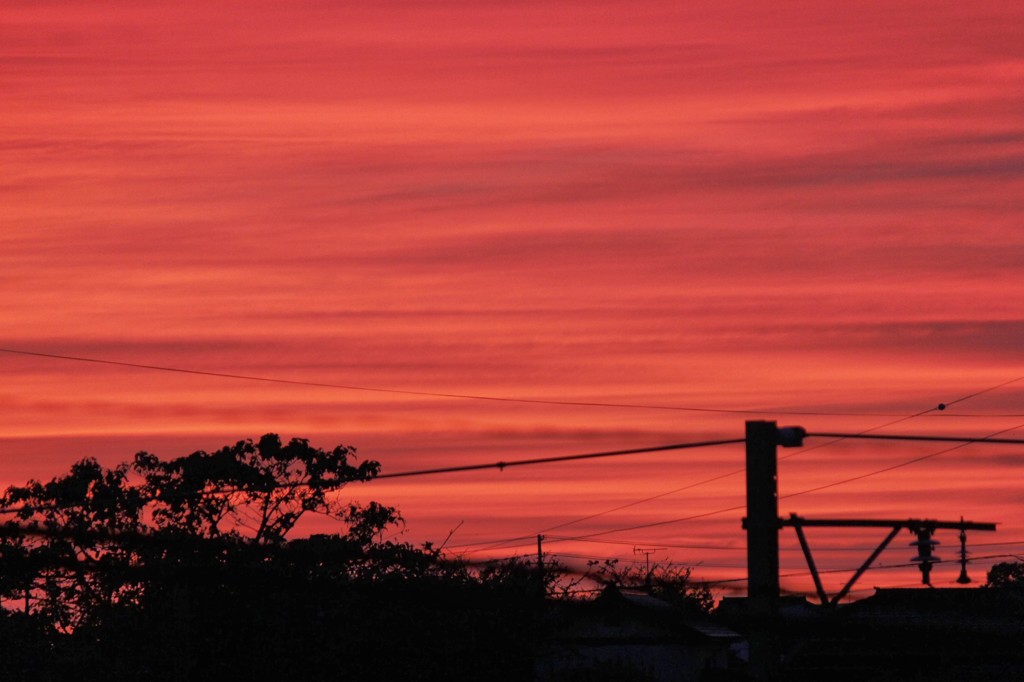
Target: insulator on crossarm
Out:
[924,559]
[964,578]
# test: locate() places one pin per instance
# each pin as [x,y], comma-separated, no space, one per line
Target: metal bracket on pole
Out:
[822,595]
[865,566]
[922,528]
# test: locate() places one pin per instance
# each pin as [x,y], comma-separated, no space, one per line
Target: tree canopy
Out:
[1007,574]
[93,537]
[184,568]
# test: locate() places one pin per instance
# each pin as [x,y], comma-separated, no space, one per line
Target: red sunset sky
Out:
[810,208]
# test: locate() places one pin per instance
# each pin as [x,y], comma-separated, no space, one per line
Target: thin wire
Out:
[425,472]
[798,574]
[501,544]
[655,524]
[735,472]
[555,538]
[565,458]
[836,438]
[620,559]
[985,390]
[997,544]
[803,492]
[551,539]
[641,501]
[460,396]
[726,548]
[556,555]
[466,545]
[987,439]
[502,465]
[966,440]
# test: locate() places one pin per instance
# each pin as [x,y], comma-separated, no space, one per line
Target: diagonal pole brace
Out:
[798,527]
[866,565]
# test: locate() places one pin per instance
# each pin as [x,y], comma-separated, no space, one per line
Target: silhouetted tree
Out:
[669,582]
[65,554]
[255,489]
[1008,574]
[182,569]
[92,538]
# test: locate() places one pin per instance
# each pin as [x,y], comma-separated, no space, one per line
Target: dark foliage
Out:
[670,583]
[182,570]
[1008,574]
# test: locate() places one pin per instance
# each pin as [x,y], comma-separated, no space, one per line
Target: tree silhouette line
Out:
[184,569]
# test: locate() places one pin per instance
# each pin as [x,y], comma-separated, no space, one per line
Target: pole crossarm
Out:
[794,520]
[923,527]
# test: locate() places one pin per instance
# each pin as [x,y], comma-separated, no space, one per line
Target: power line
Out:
[565,458]
[997,544]
[962,443]
[501,465]
[837,438]
[977,393]
[736,472]
[966,440]
[426,472]
[503,544]
[720,548]
[655,524]
[641,501]
[467,396]
[793,574]
[551,539]
[883,567]
[467,545]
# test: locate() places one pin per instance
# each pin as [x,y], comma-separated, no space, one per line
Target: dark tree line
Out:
[183,569]
[1008,575]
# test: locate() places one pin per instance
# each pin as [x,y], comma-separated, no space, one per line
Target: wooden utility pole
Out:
[762,524]
[647,552]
